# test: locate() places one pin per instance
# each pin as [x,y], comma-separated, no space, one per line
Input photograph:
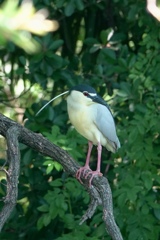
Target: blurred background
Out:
[113,46]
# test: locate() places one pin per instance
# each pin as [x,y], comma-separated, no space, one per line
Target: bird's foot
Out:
[93,174]
[82,171]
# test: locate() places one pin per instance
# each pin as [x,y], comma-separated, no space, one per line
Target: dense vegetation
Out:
[115,47]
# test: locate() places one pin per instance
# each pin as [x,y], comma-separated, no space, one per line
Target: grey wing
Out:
[105,123]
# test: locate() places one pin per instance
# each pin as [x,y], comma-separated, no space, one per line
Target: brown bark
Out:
[100,191]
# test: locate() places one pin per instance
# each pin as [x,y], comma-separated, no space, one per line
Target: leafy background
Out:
[115,47]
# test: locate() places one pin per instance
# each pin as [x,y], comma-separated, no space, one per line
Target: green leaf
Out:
[60,3]
[27,157]
[106,35]
[126,87]
[91,41]
[56,183]
[123,63]
[141,128]
[145,209]
[79,4]
[40,223]
[133,135]
[103,36]
[22,60]
[147,179]
[46,219]
[48,162]
[57,61]
[122,199]
[58,166]
[95,48]
[69,221]
[157,213]
[49,168]
[109,55]
[69,8]
[43,208]
[134,234]
[56,44]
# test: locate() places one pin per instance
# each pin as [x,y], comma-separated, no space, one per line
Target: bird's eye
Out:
[85,93]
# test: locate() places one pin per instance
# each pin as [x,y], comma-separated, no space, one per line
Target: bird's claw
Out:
[82,171]
[93,174]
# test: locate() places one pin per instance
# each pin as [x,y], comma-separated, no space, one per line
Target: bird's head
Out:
[83,94]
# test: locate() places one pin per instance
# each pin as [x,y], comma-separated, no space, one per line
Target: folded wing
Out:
[105,123]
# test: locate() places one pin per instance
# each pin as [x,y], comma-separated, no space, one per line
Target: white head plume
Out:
[51,101]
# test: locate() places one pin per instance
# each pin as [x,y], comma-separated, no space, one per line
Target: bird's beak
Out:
[51,101]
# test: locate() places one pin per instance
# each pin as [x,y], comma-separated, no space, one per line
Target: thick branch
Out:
[13,157]
[111,226]
[40,144]
[100,190]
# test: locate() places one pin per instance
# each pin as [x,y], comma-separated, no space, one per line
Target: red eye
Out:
[85,93]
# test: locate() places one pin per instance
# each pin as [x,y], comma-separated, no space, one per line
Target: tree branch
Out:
[100,191]
[95,201]
[13,157]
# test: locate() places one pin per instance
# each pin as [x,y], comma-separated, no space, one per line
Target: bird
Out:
[93,119]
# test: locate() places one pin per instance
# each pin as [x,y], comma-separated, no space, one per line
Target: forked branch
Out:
[100,191]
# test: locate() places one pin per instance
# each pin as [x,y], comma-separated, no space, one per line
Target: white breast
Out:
[82,117]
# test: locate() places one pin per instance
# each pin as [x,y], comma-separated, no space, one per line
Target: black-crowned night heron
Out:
[92,118]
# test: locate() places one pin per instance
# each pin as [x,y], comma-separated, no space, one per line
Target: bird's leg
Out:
[99,150]
[86,166]
[98,171]
[90,145]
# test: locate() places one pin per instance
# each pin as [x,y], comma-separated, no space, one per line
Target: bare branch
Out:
[100,191]
[111,226]
[95,201]
[13,156]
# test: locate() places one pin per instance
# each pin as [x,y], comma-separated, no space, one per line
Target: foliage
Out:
[113,46]
[16,23]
